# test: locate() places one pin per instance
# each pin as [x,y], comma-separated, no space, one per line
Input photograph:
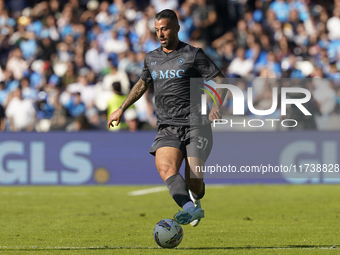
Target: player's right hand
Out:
[215,113]
[115,116]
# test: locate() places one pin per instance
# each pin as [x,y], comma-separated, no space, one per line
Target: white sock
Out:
[188,205]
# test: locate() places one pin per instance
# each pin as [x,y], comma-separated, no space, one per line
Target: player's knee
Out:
[166,170]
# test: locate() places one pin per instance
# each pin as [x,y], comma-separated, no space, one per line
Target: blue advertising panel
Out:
[77,158]
[90,158]
[275,157]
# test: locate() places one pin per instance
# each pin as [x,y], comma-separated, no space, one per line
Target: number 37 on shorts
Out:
[202,143]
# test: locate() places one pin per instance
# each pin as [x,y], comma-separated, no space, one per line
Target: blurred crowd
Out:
[66,65]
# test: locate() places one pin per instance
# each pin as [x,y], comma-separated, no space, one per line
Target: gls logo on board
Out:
[16,168]
[167,74]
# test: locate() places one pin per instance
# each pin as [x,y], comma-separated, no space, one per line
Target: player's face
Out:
[167,32]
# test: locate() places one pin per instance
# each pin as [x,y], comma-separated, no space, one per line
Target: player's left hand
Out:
[215,113]
[115,116]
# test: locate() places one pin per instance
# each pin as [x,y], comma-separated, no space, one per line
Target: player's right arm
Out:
[136,92]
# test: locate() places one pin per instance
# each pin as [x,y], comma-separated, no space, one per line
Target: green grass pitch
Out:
[254,219]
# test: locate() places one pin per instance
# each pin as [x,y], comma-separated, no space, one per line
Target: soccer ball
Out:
[168,233]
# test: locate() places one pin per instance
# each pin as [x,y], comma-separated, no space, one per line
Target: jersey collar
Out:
[177,48]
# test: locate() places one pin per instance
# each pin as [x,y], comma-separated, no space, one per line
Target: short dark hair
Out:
[167,14]
[117,86]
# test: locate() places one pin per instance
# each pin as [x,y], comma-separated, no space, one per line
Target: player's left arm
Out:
[215,112]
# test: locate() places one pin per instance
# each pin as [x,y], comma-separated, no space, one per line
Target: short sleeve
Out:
[205,65]
[145,74]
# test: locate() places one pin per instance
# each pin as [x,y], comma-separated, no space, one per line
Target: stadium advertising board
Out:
[90,158]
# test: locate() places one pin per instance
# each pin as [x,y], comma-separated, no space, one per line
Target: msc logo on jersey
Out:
[167,74]
[180,61]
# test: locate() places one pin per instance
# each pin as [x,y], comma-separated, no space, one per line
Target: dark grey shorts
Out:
[192,141]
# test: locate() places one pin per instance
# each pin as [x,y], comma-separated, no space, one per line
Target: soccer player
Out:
[170,68]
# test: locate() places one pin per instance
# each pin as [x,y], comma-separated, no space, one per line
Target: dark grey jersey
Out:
[170,74]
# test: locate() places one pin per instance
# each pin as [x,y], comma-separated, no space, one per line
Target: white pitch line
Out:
[147,191]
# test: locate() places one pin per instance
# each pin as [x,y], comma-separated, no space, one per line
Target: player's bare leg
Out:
[168,162]
[195,182]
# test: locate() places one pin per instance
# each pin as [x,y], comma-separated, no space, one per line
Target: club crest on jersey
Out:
[154,75]
[180,61]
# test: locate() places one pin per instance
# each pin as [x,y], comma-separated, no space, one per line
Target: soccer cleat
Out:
[189,215]
[197,204]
